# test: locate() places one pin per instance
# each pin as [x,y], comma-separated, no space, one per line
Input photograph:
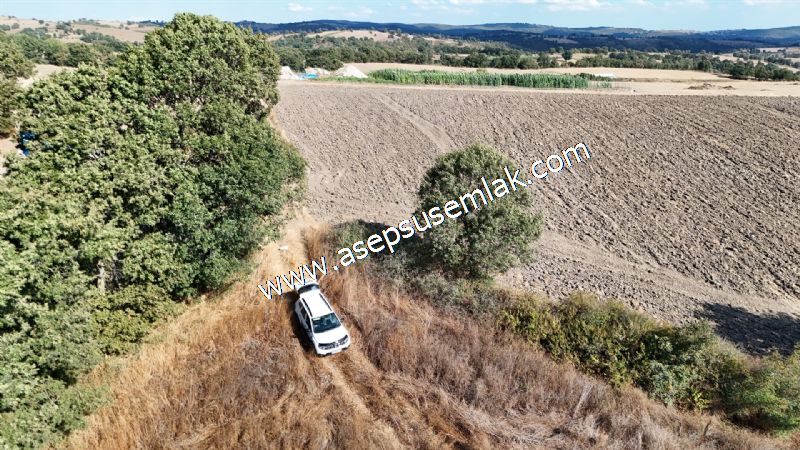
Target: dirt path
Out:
[682,212]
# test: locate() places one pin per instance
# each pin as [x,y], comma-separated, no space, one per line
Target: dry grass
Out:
[227,375]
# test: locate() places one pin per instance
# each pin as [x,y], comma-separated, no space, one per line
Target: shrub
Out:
[474,296]
[621,345]
[685,366]
[768,396]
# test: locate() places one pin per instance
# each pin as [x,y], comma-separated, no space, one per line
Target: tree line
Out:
[40,48]
[704,62]
[329,52]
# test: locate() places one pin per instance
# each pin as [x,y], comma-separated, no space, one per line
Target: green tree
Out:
[487,240]
[292,57]
[326,58]
[476,59]
[147,182]
[8,103]
[546,61]
[196,58]
[13,62]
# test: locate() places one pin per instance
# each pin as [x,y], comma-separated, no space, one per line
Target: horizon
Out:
[662,15]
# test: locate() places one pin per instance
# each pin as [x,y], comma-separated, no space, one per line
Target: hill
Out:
[539,37]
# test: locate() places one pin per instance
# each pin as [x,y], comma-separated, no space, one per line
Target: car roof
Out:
[316,303]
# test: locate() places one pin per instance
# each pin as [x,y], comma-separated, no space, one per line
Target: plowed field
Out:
[690,207]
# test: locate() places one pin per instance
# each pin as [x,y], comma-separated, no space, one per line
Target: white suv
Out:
[318,320]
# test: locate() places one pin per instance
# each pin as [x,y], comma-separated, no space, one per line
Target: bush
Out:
[484,241]
[768,397]
[685,366]
[475,296]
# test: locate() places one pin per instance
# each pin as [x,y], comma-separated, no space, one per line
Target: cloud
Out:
[296,7]
[442,4]
[762,2]
[575,5]
[360,13]
[482,2]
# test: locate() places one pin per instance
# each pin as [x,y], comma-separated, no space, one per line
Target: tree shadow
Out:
[756,334]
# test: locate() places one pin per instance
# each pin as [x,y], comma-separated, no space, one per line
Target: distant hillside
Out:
[541,37]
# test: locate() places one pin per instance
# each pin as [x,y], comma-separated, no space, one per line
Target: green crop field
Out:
[529,80]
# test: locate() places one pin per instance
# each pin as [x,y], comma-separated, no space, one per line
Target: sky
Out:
[699,15]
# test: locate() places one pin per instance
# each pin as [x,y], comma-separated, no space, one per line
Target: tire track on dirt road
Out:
[325,367]
[436,134]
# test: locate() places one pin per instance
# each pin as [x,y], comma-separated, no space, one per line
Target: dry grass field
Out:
[233,374]
[688,209]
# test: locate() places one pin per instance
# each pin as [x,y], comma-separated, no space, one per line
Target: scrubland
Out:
[232,373]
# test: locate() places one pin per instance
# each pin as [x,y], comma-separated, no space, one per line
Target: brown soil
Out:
[689,208]
[233,374]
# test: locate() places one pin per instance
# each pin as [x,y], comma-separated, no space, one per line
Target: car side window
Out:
[303,316]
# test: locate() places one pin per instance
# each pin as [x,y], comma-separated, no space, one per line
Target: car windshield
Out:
[325,323]
[306,288]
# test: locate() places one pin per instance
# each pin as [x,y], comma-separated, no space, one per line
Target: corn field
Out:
[530,80]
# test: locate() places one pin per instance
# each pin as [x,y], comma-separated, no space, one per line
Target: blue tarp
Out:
[24,138]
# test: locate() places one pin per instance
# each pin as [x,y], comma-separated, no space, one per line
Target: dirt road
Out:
[688,210]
